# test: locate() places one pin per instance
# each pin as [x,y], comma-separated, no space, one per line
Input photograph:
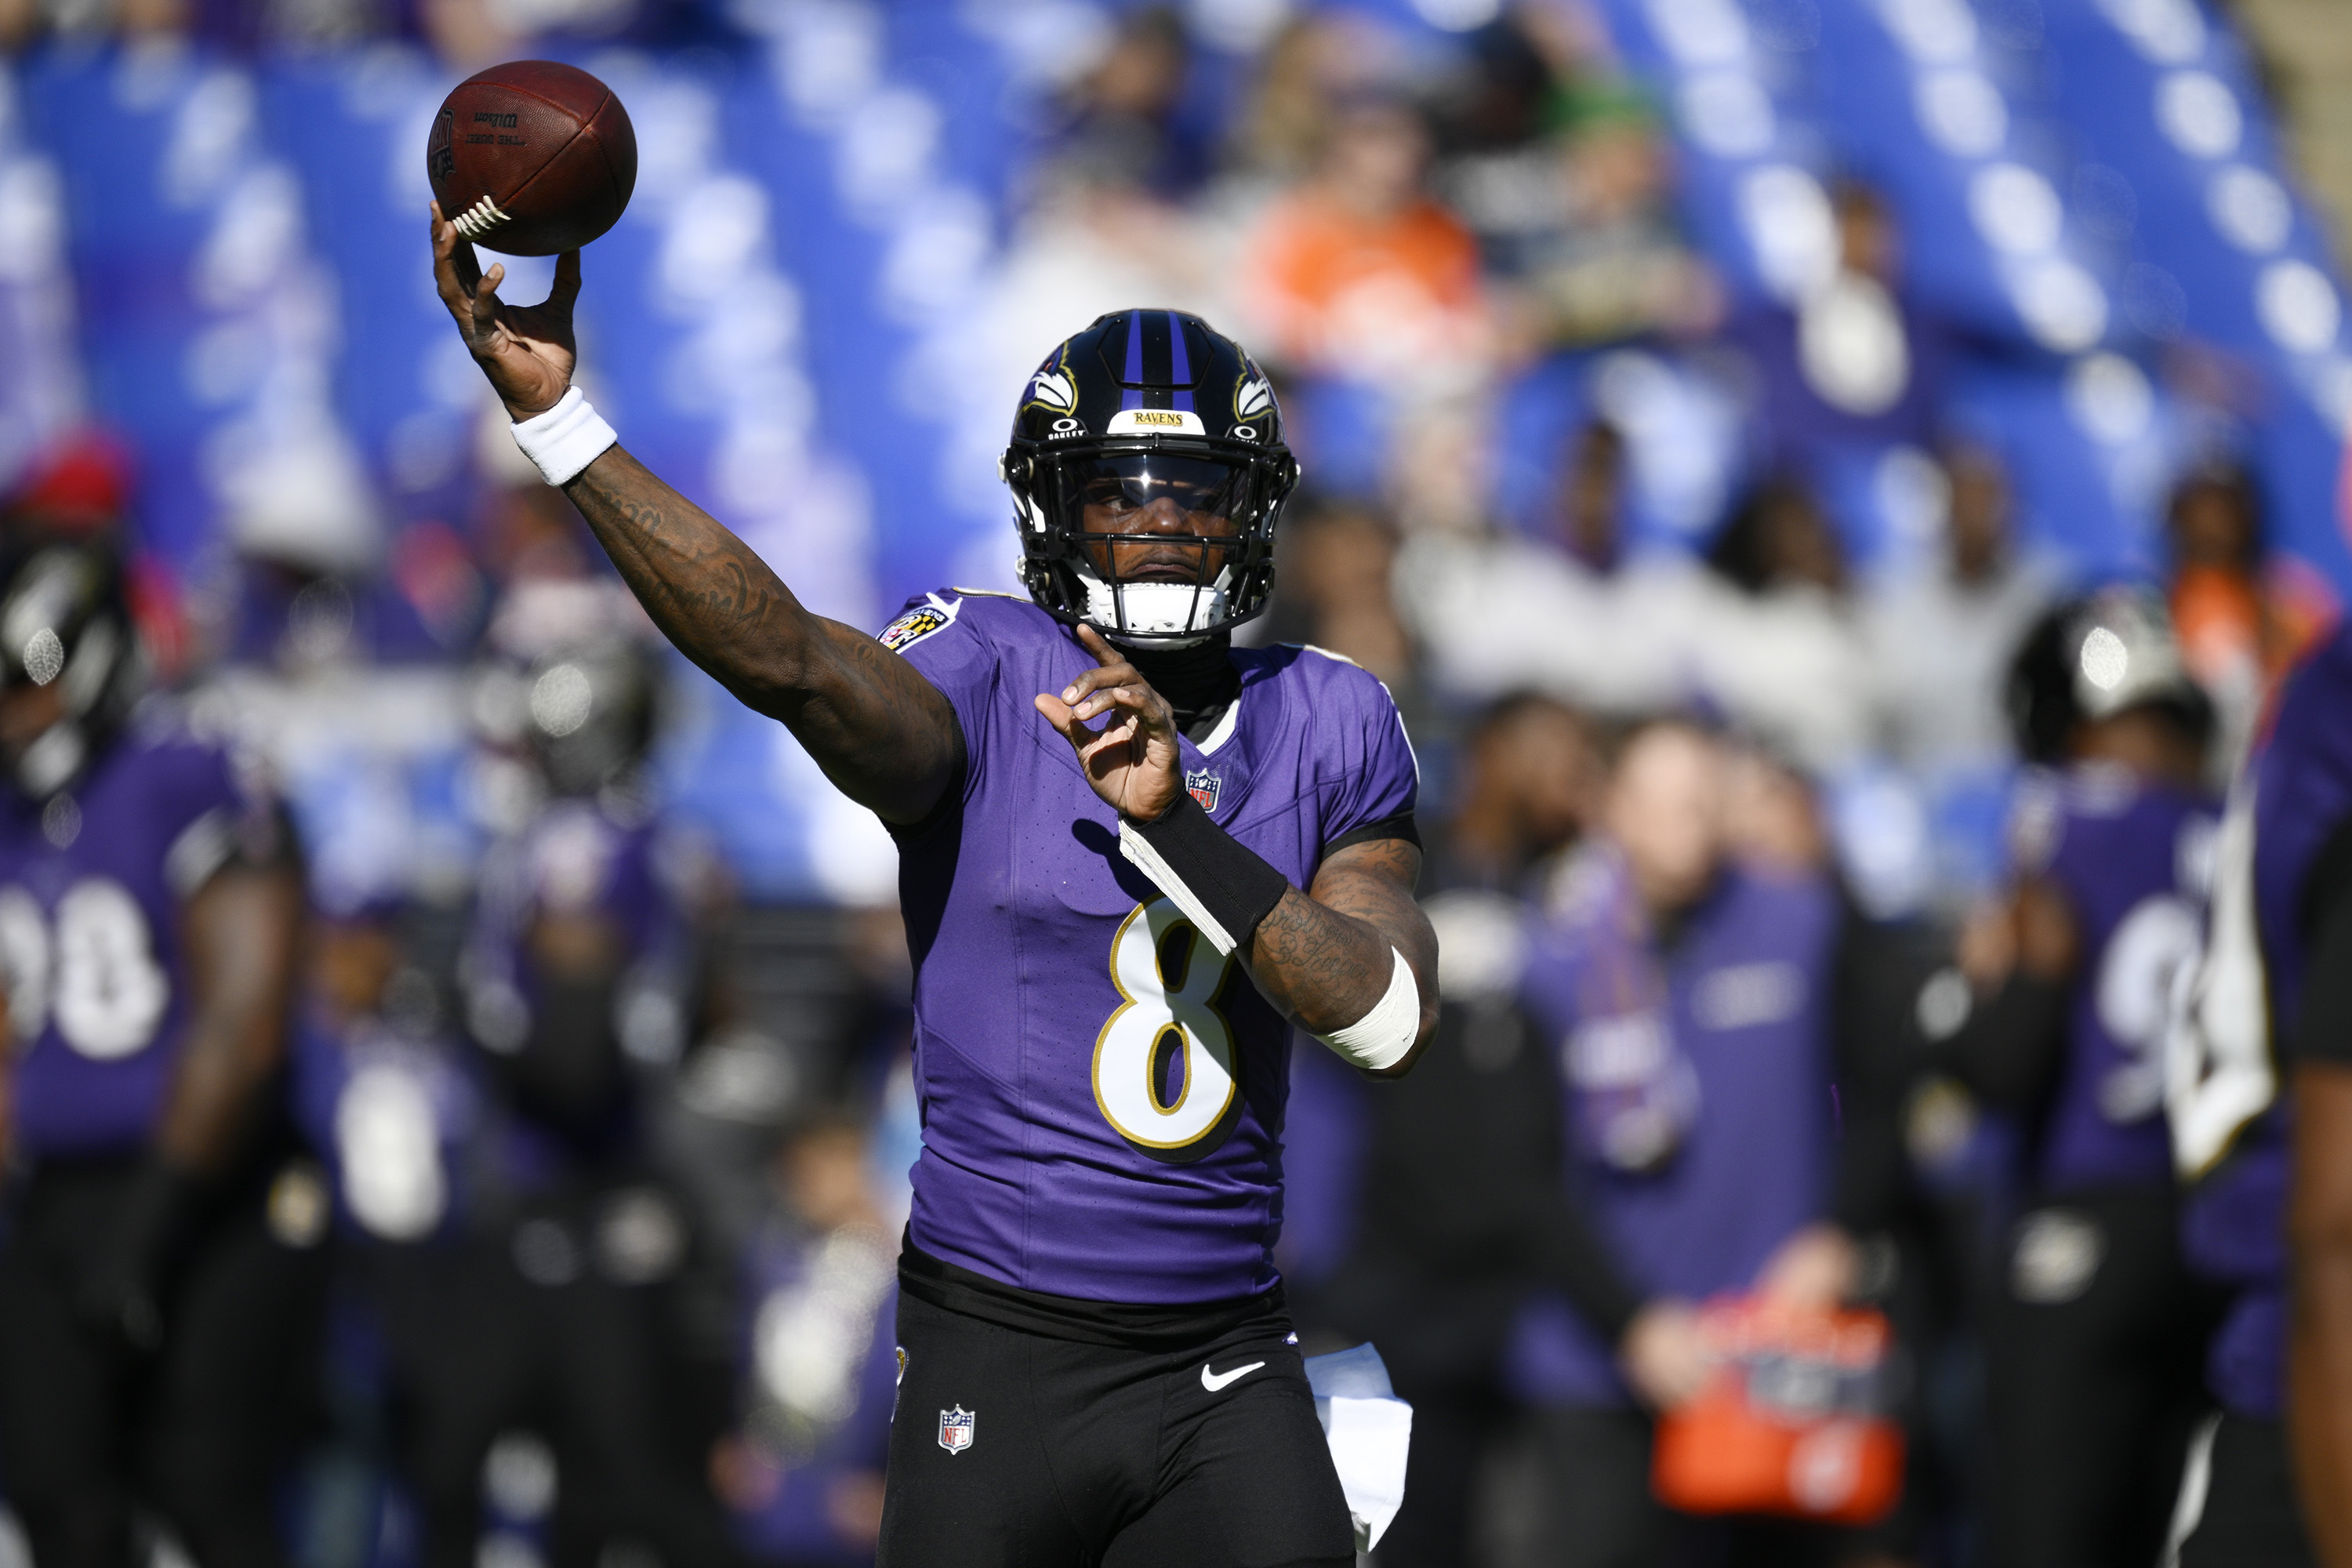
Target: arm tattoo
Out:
[882,733]
[1322,957]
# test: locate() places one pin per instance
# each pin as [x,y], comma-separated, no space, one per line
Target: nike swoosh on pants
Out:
[1213,1382]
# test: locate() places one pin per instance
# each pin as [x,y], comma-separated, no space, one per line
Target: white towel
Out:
[1369,1430]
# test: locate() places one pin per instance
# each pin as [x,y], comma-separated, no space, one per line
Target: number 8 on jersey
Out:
[1163,1064]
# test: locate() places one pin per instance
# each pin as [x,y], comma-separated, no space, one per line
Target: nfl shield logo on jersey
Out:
[955,1429]
[1202,787]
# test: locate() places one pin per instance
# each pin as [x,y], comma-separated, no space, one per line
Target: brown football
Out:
[531,158]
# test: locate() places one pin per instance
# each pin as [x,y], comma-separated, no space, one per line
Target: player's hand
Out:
[1815,1270]
[119,1290]
[526,349]
[1133,763]
[1665,1354]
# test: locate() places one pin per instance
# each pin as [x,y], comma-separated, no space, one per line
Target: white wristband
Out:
[565,439]
[1381,1038]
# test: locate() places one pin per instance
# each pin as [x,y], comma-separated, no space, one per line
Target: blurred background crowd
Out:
[1776,364]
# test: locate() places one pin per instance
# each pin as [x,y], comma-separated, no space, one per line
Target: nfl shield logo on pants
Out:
[955,1429]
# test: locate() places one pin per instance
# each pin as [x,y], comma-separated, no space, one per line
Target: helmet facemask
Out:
[1163,542]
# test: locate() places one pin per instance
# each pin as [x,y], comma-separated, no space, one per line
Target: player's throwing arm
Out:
[881,732]
[1351,959]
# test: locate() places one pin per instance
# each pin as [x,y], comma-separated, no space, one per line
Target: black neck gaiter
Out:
[1199,682]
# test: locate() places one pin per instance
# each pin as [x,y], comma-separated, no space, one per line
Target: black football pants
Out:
[2251,1518]
[2090,1399]
[478,1350]
[1082,1455]
[90,1429]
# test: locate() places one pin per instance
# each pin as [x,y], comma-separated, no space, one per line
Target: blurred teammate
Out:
[2094,1326]
[574,981]
[1098,1362]
[2271,998]
[1686,999]
[805,1476]
[159,1279]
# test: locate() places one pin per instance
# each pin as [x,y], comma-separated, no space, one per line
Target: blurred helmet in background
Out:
[570,686]
[65,629]
[1148,471]
[2094,658]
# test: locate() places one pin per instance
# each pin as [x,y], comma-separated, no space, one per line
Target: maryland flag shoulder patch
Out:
[919,623]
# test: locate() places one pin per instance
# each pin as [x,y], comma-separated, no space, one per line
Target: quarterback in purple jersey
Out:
[1114,931]
[2094,1325]
[160,1258]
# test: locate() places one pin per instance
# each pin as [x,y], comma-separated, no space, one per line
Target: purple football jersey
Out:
[91,883]
[583,859]
[574,857]
[1746,1004]
[2134,861]
[2234,1226]
[1102,1094]
[390,1112]
[822,1349]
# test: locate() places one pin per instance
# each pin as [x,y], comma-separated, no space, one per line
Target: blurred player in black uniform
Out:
[2094,1325]
[574,979]
[159,1278]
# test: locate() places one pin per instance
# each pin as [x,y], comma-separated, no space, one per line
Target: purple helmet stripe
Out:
[1132,395]
[1180,361]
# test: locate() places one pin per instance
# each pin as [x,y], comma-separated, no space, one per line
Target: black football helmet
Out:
[570,686]
[64,621]
[1148,471]
[2093,658]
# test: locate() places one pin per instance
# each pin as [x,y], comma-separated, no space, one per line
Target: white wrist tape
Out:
[565,439]
[1381,1038]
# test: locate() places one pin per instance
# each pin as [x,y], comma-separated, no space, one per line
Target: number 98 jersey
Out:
[1102,1093]
[92,882]
[2135,860]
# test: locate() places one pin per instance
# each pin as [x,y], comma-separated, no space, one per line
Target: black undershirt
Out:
[1199,683]
[1122,1324]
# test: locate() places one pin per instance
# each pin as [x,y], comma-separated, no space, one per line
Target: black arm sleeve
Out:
[2009,1051]
[2323,1030]
[1874,1051]
[1401,826]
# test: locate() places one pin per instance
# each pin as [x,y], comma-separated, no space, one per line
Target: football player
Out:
[1113,930]
[805,1476]
[574,979]
[2094,1325]
[160,1271]
[2270,1011]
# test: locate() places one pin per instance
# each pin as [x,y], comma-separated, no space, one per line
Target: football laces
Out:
[479,219]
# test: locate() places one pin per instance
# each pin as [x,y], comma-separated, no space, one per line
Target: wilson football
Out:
[531,158]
